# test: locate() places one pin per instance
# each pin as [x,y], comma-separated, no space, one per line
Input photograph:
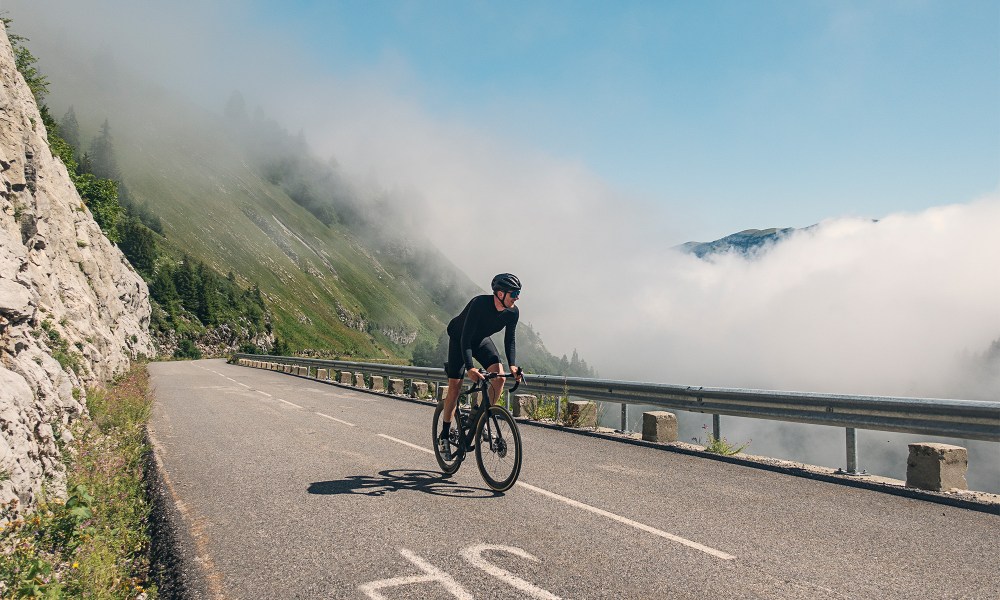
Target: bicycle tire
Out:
[499,459]
[448,467]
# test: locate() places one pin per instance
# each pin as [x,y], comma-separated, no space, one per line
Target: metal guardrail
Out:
[965,419]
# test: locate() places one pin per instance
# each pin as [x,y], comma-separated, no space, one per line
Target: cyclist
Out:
[469,336]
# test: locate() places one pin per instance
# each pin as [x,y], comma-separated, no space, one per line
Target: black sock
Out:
[445,429]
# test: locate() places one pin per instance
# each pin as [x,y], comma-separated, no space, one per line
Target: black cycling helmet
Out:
[506,282]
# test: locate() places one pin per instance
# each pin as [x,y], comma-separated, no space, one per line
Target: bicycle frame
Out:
[474,414]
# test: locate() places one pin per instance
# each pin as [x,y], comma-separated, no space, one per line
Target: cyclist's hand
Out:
[518,373]
[475,375]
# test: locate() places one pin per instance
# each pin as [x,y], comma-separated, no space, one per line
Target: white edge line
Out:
[336,419]
[290,403]
[630,522]
[398,441]
[264,393]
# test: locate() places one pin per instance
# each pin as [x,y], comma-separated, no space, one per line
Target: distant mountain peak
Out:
[747,242]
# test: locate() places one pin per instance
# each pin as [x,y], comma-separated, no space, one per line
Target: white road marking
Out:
[399,441]
[336,419]
[630,522]
[474,555]
[597,511]
[431,574]
[264,393]
[290,403]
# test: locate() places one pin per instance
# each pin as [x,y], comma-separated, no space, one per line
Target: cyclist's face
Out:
[509,299]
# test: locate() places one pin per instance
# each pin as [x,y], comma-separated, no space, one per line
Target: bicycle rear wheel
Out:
[457,449]
[498,448]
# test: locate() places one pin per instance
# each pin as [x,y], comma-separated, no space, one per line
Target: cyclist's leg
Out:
[496,385]
[451,399]
[486,354]
[455,369]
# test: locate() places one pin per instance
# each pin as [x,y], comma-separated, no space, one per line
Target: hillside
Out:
[350,280]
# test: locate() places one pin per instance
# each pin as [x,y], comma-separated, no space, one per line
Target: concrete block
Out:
[396,386]
[659,426]
[525,405]
[286,368]
[377,384]
[321,374]
[581,413]
[419,389]
[359,380]
[937,467]
[346,377]
[304,371]
[442,391]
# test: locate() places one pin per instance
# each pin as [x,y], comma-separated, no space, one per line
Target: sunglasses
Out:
[515,293]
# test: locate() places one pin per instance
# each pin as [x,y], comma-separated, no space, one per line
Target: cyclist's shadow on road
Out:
[394,480]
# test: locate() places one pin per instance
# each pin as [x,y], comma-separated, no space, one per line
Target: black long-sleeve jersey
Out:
[481,319]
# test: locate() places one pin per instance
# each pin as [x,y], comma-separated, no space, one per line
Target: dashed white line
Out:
[336,419]
[290,403]
[629,522]
[399,441]
[597,511]
[264,393]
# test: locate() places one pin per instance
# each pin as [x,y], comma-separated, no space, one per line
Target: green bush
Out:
[187,349]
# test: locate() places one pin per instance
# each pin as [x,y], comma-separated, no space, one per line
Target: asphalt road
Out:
[283,487]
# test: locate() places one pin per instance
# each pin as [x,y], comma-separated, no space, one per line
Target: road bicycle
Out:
[488,429]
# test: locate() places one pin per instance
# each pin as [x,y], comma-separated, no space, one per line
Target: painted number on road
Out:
[474,556]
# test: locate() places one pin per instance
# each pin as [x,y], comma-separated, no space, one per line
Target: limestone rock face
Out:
[73,312]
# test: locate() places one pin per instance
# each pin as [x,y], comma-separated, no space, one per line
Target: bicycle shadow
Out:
[395,480]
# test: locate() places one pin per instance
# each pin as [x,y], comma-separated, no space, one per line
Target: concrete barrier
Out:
[304,371]
[442,391]
[286,368]
[581,413]
[321,374]
[937,467]
[659,426]
[377,384]
[396,386]
[345,377]
[419,389]
[359,380]
[525,405]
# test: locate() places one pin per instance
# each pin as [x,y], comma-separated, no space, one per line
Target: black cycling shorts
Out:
[485,352]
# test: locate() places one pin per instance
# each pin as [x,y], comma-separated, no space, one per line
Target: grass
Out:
[721,445]
[95,544]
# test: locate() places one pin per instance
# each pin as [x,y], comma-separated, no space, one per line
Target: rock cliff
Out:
[73,312]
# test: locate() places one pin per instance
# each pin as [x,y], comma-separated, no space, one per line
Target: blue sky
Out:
[731,114]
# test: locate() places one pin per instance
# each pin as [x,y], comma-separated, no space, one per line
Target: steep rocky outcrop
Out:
[73,312]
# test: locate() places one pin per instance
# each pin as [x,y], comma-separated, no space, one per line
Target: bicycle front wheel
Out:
[498,448]
[448,464]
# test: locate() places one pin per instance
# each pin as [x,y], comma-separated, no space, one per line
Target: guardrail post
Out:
[624,428]
[717,426]
[852,451]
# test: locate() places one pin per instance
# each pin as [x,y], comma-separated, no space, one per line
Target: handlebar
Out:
[488,375]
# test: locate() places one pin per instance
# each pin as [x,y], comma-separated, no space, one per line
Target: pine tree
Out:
[102,155]
[139,246]
[69,129]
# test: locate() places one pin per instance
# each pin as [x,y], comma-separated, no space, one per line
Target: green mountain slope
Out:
[371,290]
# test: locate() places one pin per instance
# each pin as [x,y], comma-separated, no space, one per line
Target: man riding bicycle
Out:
[469,337]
